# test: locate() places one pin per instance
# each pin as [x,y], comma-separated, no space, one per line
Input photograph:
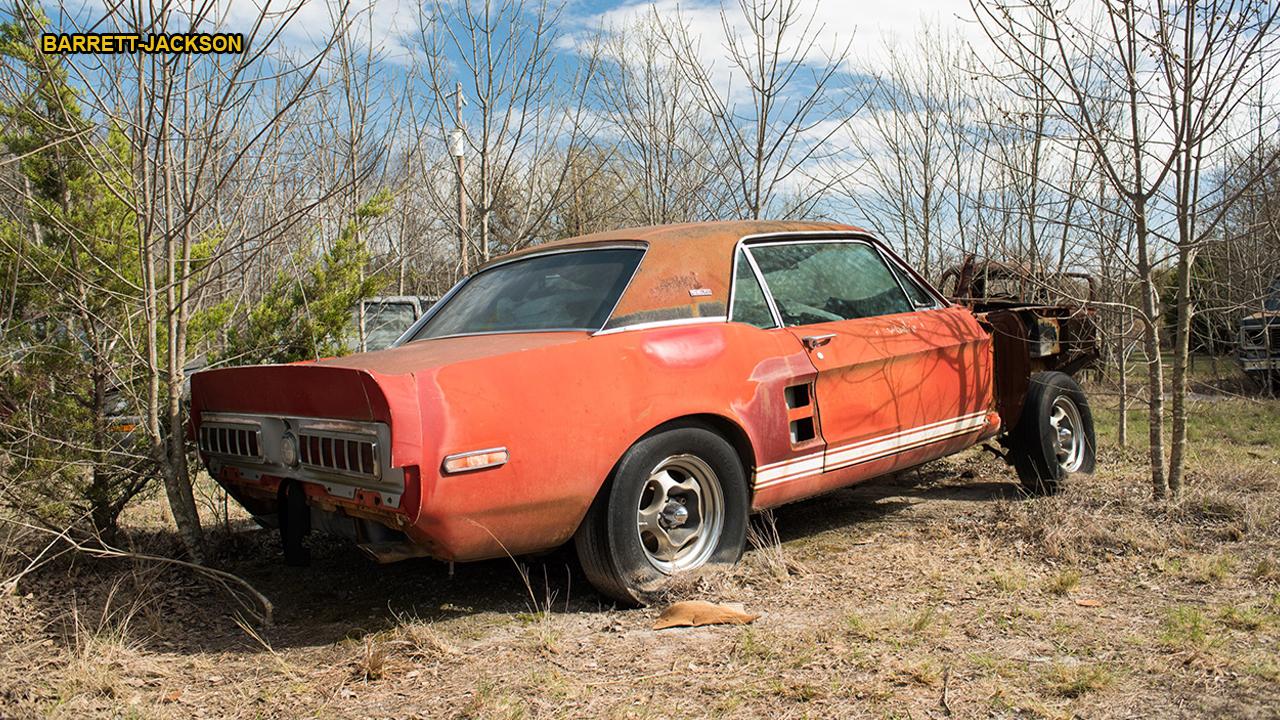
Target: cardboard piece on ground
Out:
[696,613]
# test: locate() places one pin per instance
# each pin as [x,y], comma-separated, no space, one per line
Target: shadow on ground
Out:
[344,595]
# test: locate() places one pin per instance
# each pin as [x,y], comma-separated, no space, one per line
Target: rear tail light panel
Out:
[342,456]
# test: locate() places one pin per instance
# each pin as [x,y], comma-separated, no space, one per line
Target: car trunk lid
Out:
[439,352]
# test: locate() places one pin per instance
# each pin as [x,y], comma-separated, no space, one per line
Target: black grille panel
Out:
[343,455]
[238,441]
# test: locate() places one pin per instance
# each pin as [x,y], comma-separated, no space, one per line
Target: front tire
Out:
[1054,437]
[677,502]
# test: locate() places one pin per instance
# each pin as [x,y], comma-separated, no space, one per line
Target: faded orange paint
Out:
[567,405]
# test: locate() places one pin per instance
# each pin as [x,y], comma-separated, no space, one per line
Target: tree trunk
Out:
[1155,365]
[1122,364]
[1181,358]
[164,425]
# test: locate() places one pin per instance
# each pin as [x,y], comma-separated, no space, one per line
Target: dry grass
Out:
[767,549]
[1094,603]
[1063,582]
[1075,679]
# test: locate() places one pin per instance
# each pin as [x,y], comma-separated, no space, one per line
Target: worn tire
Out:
[1042,457]
[610,547]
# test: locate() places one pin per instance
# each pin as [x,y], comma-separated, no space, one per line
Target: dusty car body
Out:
[509,437]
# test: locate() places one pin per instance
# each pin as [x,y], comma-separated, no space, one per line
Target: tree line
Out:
[165,212]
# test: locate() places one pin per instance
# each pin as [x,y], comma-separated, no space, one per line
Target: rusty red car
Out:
[641,393]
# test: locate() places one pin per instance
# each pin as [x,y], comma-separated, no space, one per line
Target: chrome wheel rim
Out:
[1064,418]
[680,514]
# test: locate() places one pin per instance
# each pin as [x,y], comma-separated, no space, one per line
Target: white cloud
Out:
[871,26]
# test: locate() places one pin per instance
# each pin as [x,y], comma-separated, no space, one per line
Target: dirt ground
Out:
[942,592]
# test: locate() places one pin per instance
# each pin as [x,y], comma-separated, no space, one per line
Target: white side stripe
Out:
[802,465]
[871,448]
[868,450]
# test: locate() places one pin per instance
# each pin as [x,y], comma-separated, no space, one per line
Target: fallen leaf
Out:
[1088,602]
[172,696]
[696,613]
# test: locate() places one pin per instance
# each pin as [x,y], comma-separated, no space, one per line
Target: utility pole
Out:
[456,139]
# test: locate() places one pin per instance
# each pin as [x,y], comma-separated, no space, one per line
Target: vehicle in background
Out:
[641,392]
[1260,341]
[1055,316]
[386,317]
[993,282]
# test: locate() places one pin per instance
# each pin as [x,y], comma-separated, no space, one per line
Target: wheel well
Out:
[722,426]
[718,424]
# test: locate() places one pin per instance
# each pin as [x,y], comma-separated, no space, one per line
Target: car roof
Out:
[686,269]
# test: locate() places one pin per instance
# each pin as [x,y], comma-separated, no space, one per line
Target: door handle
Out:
[814,342]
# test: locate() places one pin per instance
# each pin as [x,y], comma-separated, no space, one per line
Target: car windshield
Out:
[560,291]
[1273,297]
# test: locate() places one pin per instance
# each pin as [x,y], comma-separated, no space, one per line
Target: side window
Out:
[918,296]
[749,305]
[823,282]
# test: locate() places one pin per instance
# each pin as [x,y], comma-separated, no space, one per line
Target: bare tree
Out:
[524,112]
[1093,74]
[914,141]
[204,137]
[1209,56]
[798,97]
[661,137]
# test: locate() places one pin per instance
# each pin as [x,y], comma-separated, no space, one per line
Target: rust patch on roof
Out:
[686,270]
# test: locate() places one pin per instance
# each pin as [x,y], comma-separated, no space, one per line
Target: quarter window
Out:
[918,296]
[749,305]
[825,282]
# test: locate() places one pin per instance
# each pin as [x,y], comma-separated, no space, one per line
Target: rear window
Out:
[573,290]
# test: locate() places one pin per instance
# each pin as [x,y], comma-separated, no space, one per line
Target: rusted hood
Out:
[1268,315]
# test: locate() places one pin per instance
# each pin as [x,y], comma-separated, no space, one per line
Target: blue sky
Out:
[871,25]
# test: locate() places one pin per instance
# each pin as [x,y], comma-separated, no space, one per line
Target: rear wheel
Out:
[676,502]
[1055,435]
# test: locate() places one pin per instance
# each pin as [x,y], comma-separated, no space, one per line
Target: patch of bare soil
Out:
[943,592]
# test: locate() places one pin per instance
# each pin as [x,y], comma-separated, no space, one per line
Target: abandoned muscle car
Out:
[642,392]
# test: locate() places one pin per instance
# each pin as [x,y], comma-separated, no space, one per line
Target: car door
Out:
[887,378]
